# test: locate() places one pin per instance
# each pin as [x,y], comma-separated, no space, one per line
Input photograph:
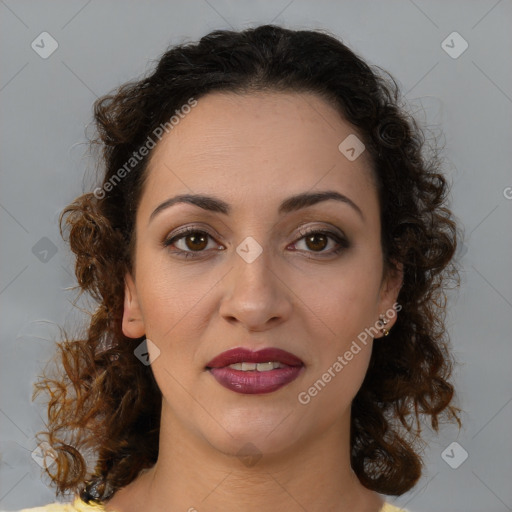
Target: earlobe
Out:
[133,323]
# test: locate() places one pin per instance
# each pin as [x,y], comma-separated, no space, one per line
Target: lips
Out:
[242,355]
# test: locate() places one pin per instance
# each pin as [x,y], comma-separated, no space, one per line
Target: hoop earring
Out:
[383,322]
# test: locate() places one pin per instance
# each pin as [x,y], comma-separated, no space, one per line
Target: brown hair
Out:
[104,402]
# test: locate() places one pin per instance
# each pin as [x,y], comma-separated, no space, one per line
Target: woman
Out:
[269,248]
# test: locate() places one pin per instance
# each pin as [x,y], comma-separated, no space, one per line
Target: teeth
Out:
[260,367]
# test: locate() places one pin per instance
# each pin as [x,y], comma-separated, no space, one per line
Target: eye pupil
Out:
[201,239]
[312,237]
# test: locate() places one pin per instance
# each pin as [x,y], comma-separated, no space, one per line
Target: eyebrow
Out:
[291,204]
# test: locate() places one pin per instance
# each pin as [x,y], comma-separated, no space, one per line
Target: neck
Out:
[191,475]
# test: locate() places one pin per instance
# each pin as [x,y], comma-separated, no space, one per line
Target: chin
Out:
[256,441]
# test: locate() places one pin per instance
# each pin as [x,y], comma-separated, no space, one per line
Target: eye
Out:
[317,240]
[193,241]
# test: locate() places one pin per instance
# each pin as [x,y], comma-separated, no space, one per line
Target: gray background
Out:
[46,104]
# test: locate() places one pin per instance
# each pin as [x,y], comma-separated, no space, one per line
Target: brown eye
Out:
[191,240]
[316,241]
[196,242]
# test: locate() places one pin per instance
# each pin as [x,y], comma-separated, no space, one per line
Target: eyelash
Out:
[342,242]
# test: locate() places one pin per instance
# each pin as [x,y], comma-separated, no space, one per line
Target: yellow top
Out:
[79,506]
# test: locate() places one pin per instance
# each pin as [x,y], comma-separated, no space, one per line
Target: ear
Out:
[133,323]
[390,288]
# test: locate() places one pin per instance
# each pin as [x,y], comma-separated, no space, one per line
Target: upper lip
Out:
[266,355]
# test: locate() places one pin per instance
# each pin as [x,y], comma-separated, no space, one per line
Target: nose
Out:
[254,294]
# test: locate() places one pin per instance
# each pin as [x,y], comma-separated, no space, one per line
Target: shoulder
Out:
[51,507]
[77,505]
[391,508]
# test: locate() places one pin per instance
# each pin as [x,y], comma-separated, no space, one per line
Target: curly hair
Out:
[110,404]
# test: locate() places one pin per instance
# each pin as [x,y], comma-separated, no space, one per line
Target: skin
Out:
[253,151]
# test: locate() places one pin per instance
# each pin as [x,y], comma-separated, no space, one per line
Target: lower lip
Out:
[255,382]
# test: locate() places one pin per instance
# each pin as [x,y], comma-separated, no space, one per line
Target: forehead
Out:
[257,145]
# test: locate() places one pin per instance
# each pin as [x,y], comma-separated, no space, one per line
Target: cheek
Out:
[168,292]
[334,384]
[340,358]
[345,302]
[173,307]
[344,310]
[172,304]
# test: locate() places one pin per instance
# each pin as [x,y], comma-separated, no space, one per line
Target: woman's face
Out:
[251,278]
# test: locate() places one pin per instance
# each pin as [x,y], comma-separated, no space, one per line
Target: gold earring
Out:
[383,321]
